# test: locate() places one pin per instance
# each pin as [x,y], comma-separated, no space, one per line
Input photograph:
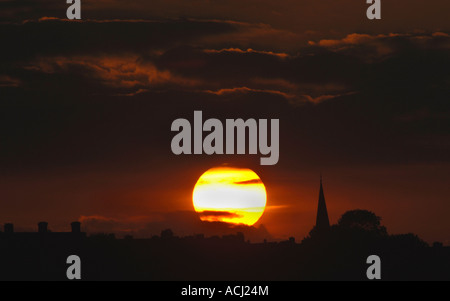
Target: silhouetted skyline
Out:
[86,109]
[337,254]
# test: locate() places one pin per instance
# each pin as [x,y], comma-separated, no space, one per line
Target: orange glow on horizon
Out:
[228,194]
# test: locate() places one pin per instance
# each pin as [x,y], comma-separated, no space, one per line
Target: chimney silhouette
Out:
[42,227]
[76,227]
[8,228]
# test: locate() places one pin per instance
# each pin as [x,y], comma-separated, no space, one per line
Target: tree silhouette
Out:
[167,234]
[361,219]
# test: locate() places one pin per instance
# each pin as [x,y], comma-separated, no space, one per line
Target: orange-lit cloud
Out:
[292,98]
[248,90]
[117,71]
[249,50]
[384,44]
[8,81]
[320,98]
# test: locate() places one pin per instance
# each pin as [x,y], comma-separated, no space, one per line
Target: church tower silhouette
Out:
[322,221]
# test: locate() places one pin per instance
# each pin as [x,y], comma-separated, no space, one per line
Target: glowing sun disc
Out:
[229,194]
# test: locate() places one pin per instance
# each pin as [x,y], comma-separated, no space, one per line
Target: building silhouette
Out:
[335,252]
[322,221]
[43,232]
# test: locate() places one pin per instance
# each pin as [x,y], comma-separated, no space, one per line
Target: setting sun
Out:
[228,194]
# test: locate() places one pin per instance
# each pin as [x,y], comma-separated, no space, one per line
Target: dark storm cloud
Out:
[70,97]
[341,16]
[19,10]
[50,37]
[325,70]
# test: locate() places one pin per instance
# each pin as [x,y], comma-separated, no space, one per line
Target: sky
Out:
[87,106]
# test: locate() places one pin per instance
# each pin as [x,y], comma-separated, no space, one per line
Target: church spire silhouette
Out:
[322,221]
